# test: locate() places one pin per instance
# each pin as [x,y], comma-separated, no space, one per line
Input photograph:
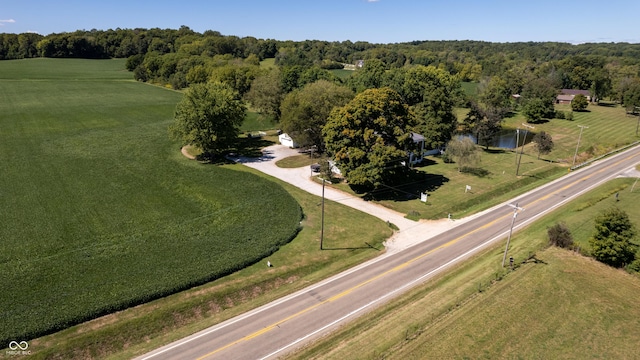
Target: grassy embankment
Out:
[104,212]
[555,304]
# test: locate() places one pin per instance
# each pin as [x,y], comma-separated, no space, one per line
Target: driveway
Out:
[410,232]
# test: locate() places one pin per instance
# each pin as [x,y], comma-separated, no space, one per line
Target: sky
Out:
[375,21]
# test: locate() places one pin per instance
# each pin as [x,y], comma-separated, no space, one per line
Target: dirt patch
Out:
[184,152]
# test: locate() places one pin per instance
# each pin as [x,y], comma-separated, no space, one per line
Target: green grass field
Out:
[100,211]
[556,304]
[342,73]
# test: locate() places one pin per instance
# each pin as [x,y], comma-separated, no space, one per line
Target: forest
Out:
[182,56]
[426,74]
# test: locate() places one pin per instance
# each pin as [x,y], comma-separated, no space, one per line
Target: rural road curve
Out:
[285,324]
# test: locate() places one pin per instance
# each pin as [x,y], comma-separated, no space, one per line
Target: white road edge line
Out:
[368,263]
[422,277]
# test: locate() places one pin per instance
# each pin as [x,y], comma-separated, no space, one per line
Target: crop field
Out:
[100,211]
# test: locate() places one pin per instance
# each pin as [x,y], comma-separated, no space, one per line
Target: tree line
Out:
[181,57]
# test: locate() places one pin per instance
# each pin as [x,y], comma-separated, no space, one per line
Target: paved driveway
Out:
[410,233]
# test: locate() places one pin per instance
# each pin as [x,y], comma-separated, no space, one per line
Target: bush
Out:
[634,266]
[447,158]
[611,242]
[560,236]
[559,114]
[569,115]
[579,103]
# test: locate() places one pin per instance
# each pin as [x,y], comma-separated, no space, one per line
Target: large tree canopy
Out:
[612,241]
[484,123]
[305,111]
[266,94]
[432,92]
[209,116]
[579,103]
[535,110]
[369,76]
[370,136]
[495,93]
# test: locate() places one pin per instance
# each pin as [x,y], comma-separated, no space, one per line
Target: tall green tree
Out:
[432,93]
[209,117]
[579,103]
[266,94]
[305,111]
[631,94]
[600,83]
[612,241]
[495,93]
[370,136]
[543,92]
[371,75]
[484,123]
[535,110]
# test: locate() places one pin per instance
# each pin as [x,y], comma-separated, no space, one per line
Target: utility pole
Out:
[311,157]
[582,127]
[524,140]
[515,214]
[322,221]
[517,144]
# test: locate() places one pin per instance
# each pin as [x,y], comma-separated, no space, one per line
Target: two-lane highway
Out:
[283,325]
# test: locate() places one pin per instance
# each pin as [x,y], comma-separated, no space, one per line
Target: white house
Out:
[419,140]
[286,140]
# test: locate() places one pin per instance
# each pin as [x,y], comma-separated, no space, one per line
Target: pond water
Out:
[506,139]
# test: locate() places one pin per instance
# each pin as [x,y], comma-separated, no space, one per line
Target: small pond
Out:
[506,139]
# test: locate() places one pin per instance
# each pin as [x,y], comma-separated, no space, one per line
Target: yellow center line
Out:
[396,268]
[348,291]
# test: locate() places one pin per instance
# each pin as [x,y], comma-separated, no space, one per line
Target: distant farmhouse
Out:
[566,95]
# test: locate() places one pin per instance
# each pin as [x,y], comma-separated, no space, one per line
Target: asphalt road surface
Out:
[283,325]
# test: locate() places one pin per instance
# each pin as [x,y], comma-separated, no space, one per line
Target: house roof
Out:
[565,97]
[416,137]
[575,92]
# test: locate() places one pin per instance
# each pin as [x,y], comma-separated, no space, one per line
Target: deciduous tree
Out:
[579,103]
[535,110]
[543,143]
[484,123]
[209,117]
[432,92]
[370,136]
[305,111]
[612,241]
[495,93]
[369,76]
[266,94]
[464,151]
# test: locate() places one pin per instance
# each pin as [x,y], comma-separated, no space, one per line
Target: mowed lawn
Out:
[100,210]
[494,180]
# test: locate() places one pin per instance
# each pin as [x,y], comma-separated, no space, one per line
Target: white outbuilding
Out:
[286,140]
